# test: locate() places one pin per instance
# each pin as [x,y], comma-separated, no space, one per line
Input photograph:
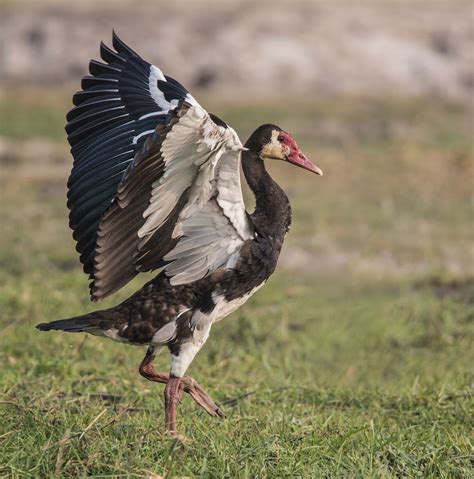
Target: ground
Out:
[354,361]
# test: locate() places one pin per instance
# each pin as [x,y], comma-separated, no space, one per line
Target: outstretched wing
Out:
[179,205]
[120,105]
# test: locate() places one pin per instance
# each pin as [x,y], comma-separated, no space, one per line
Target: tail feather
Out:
[86,323]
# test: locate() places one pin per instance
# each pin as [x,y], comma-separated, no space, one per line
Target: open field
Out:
[354,361]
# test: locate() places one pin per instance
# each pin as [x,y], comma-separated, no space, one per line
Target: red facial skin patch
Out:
[295,155]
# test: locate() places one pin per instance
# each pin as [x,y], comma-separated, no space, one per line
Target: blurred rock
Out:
[267,48]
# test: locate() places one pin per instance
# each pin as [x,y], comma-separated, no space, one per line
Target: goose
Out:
[155,185]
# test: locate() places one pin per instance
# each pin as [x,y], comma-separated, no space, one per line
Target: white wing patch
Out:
[182,162]
[158,96]
[212,225]
[205,157]
[207,240]
[228,182]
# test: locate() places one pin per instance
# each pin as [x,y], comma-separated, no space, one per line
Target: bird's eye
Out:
[281,139]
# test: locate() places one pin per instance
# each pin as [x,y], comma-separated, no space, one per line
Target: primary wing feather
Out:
[121,103]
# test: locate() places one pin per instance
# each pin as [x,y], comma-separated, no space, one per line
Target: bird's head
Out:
[273,143]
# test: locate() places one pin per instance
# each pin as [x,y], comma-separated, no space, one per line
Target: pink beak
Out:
[300,160]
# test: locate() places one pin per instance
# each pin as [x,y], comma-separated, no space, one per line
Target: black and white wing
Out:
[155,180]
[179,205]
[121,103]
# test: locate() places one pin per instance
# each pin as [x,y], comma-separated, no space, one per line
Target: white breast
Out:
[223,307]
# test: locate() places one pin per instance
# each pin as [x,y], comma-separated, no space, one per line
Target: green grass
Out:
[354,361]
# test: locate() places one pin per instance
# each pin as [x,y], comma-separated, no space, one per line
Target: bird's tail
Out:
[88,323]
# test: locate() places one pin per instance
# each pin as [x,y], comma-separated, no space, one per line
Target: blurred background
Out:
[380,94]
[375,286]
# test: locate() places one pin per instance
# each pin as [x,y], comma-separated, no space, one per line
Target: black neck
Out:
[272,215]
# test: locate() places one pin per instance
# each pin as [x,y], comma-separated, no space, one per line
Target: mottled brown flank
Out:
[138,318]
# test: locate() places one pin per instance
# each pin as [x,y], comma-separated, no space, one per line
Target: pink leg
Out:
[187,384]
[172,398]
[147,370]
[201,397]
